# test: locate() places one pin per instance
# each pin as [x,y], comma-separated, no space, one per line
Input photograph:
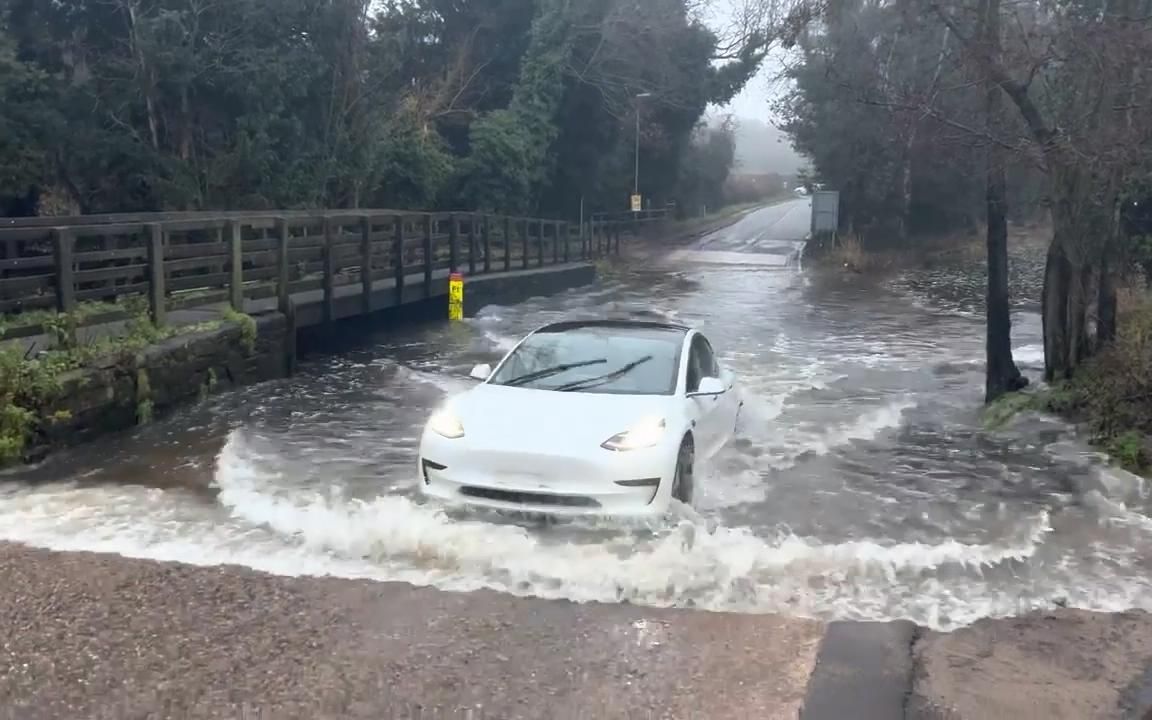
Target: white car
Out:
[583,418]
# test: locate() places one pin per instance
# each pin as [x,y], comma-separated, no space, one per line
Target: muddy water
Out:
[861,483]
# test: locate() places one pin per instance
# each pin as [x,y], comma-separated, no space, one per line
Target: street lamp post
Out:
[636,172]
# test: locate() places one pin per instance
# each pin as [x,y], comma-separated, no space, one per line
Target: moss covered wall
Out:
[123,392]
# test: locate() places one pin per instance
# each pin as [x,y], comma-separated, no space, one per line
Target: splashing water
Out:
[860,484]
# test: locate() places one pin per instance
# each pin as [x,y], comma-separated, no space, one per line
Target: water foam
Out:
[686,564]
[1029,355]
[794,443]
[445,383]
[500,342]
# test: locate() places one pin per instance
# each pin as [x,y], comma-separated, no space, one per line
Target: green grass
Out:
[31,382]
[247,328]
[1004,409]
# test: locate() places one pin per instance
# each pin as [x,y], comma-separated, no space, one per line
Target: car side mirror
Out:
[481,371]
[708,386]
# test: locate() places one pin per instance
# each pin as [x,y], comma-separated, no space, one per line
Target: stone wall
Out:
[122,392]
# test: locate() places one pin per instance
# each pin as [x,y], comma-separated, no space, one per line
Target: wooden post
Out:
[289,310]
[487,245]
[366,263]
[472,244]
[219,232]
[329,283]
[236,246]
[453,244]
[398,258]
[283,294]
[524,260]
[555,243]
[507,244]
[429,256]
[567,241]
[540,243]
[617,240]
[156,274]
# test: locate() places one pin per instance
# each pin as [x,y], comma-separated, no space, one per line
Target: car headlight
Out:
[646,433]
[444,422]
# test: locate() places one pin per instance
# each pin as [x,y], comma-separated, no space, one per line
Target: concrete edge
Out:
[863,671]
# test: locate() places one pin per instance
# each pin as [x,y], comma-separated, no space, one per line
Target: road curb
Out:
[863,671]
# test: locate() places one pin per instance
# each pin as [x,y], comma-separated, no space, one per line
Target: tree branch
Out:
[1016,91]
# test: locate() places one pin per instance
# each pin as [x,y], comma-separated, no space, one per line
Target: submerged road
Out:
[845,548]
[771,235]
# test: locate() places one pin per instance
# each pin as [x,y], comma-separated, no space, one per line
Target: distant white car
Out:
[583,418]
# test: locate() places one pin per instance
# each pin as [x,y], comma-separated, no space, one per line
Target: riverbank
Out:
[1109,399]
[103,636]
[928,252]
[79,384]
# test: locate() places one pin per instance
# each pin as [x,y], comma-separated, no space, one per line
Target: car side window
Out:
[707,358]
[701,363]
[693,381]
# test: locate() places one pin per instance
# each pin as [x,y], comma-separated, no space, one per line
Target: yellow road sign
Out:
[455,296]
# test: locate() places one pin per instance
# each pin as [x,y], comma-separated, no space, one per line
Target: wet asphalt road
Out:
[769,230]
[769,236]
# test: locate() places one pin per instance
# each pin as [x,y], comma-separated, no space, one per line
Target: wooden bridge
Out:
[327,265]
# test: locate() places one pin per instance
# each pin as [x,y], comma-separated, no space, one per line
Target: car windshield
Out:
[596,359]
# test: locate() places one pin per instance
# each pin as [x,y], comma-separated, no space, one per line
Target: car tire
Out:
[683,481]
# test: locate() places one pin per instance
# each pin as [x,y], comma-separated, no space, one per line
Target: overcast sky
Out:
[755,100]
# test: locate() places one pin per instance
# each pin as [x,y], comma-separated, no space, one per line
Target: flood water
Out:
[861,484]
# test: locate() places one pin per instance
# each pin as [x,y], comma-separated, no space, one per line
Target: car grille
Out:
[528,498]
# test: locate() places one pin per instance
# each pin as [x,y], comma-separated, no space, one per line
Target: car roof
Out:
[625,324]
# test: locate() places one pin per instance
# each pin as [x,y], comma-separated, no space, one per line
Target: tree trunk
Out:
[1105,306]
[147,82]
[1077,322]
[1001,374]
[1054,310]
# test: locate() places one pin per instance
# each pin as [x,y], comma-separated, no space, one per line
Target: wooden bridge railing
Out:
[199,259]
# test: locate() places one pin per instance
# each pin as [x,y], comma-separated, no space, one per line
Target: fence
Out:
[184,260]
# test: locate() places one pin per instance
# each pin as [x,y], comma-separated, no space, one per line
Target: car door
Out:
[728,405]
[731,403]
[706,409]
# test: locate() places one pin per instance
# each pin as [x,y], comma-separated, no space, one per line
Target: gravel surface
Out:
[92,636]
[1065,664]
[100,636]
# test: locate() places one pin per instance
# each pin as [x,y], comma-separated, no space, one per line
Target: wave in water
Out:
[683,564]
[261,523]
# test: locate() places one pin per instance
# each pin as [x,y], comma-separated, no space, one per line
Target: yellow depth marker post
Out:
[455,296]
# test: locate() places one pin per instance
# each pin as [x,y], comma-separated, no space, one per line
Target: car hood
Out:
[497,415]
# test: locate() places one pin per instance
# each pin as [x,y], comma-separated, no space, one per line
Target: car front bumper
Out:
[630,483]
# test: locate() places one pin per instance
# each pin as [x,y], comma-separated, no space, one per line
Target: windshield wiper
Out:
[550,371]
[603,379]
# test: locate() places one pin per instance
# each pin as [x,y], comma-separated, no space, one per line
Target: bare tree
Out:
[1089,133]
[1001,374]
